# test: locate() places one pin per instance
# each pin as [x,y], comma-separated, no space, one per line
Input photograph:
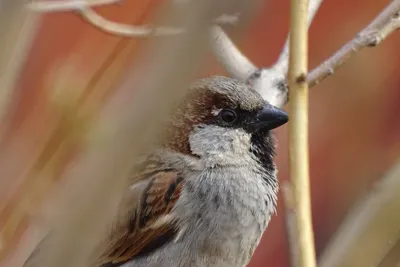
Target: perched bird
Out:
[205,195]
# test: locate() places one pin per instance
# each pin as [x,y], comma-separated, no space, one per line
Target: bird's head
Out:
[225,122]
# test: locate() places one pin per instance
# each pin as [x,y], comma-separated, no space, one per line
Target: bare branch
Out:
[123,29]
[298,134]
[84,8]
[372,228]
[142,31]
[67,5]
[234,61]
[379,29]
[271,82]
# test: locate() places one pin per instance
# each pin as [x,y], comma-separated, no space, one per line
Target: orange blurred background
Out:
[354,115]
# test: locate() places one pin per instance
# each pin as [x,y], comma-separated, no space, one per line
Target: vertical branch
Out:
[298,133]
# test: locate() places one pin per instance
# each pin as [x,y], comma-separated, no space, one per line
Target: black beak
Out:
[270,117]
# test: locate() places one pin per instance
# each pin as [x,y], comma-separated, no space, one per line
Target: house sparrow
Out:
[204,197]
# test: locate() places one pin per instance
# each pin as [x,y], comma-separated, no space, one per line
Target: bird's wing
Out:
[150,223]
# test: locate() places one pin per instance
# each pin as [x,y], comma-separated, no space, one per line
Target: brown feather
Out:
[140,235]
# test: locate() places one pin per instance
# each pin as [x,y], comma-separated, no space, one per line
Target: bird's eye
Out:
[228,115]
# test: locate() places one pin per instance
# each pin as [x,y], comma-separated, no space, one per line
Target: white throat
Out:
[216,145]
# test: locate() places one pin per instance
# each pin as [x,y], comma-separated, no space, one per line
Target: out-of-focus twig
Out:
[120,29]
[234,61]
[17,30]
[379,29]
[97,179]
[84,8]
[270,82]
[369,234]
[67,5]
[298,134]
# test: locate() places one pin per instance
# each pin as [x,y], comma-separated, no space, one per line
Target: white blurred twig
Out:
[234,61]
[271,82]
[121,29]
[67,5]
[85,9]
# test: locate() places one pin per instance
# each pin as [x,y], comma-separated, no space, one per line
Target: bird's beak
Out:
[270,117]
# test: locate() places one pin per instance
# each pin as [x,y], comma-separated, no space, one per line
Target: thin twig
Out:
[379,29]
[234,61]
[372,228]
[84,8]
[271,82]
[298,133]
[121,29]
[67,5]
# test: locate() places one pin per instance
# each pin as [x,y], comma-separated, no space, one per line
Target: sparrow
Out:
[204,196]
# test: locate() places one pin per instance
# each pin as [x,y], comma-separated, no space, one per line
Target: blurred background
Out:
[354,115]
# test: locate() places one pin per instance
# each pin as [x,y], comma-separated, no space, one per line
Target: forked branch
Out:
[378,30]
[234,61]
[271,82]
[84,8]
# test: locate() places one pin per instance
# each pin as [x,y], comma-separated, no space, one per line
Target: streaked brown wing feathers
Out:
[142,233]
